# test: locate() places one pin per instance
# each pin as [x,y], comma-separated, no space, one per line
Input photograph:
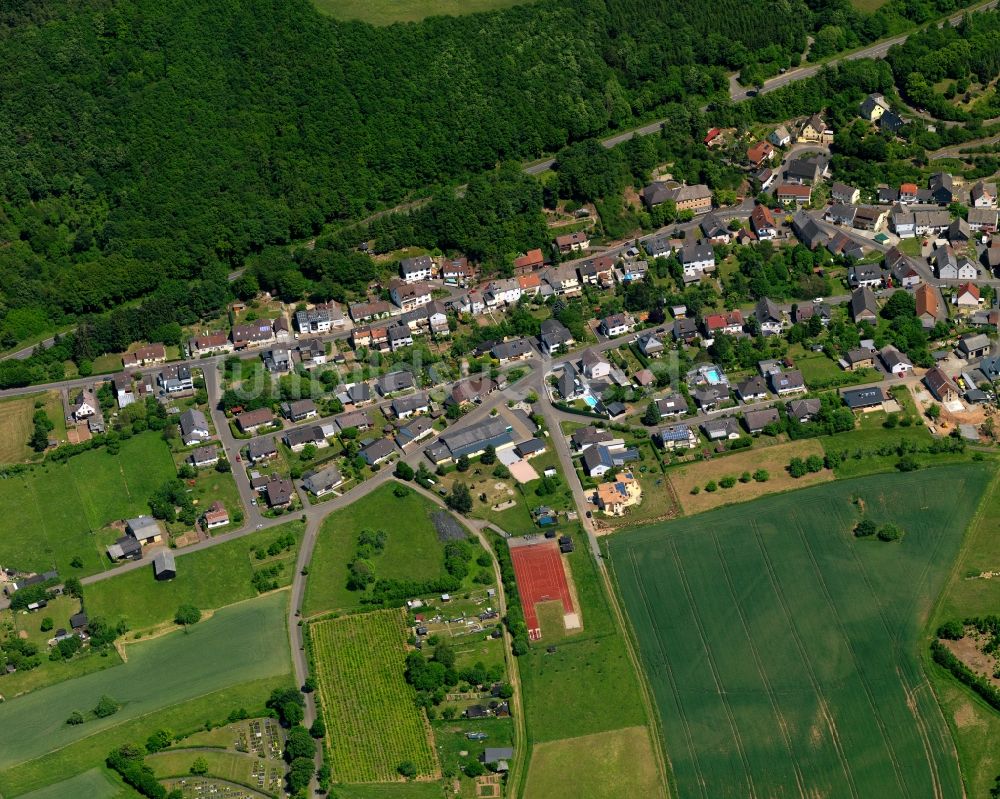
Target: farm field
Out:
[975,725]
[94,784]
[788,661]
[412,552]
[371,719]
[399,790]
[606,765]
[772,459]
[386,12]
[208,578]
[239,644]
[60,505]
[16,424]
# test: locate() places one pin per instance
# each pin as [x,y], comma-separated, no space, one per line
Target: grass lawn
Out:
[209,486]
[231,766]
[246,642]
[413,550]
[782,651]
[372,722]
[16,424]
[868,6]
[209,578]
[566,692]
[97,783]
[975,726]
[606,765]
[911,246]
[772,459]
[59,506]
[451,743]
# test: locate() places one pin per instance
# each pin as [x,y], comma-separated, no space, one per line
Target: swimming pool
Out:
[712,376]
[590,401]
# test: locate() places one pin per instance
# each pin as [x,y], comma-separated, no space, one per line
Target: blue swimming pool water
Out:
[590,401]
[712,376]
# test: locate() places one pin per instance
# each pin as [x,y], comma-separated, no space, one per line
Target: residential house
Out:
[708,398]
[715,229]
[860,358]
[316,320]
[967,297]
[729,322]
[696,198]
[322,482]
[617,325]
[529,262]
[358,420]
[803,171]
[210,344]
[394,382]
[752,389]
[506,291]
[873,107]
[378,451]
[278,359]
[278,492]
[407,406]
[261,449]
[299,410]
[948,267]
[252,421]
[471,440]
[863,399]
[601,458]
[144,356]
[941,386]
[869,275]
[684,330]
[863,306]
[658,246]
[409,295]
[770,317]
[374,337]
[656,193]
[762,221]
[983,195]
[929,307]
[942,186]
[573,242]
[414,430]
[891,123]
[697,258]
[634,270]
[253,334]
[840,214]
[672,405]
[870,217]
[122,385]
[194,427]
[598,271]
[554,337]
[176,380]
[678,436]
[787,382]
[651,346]
[595,366]
[368,311]
[903,269]
[203,457]
[356,394]
[472,389]
[898,364]
[616,497]
[983,220]
[974,346]
[927,221]
[780,137]
[756,421]
[569,384]
[298,438]
[804,410]
[517,349]
[886,195]
[806,311]
[761,152]
[458,271]
[530,284]
[415,270]
[584,437]
[725,427]
[144,529]
[842,193]
[808,230]
[215,516]
[399,336]
[816,130]
[903,222]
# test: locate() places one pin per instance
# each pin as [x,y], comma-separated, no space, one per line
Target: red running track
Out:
[540,578]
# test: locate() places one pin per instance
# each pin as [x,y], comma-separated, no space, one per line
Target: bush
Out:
[407,769]
[187,615]
[474,769]
[814,463]
[696,490]
[865,528]
[797,468]
[47,624]
[745,477]
[728,481]
[711,486]
[761,476]
[889,532]
[106,706]
[908,464]
[76,717]
[951,631]
[404,471]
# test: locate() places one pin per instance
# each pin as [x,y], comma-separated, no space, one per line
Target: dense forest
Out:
[142,142]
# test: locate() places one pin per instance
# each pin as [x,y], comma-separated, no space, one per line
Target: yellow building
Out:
[624,492]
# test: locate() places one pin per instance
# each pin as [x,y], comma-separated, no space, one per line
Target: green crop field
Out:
[413,551]
[59,506]
[386,12]
[94,784]
[209,578]
[783,653]
[372,722]
[239,644]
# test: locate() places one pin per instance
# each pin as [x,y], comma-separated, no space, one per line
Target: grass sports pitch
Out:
[783,652]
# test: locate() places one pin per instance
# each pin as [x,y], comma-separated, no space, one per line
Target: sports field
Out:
[783,652]
[245,642]
[412,551]
[608,765]
[540,578]
[372,722]
[59,506]
[208,579]
[386,12]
